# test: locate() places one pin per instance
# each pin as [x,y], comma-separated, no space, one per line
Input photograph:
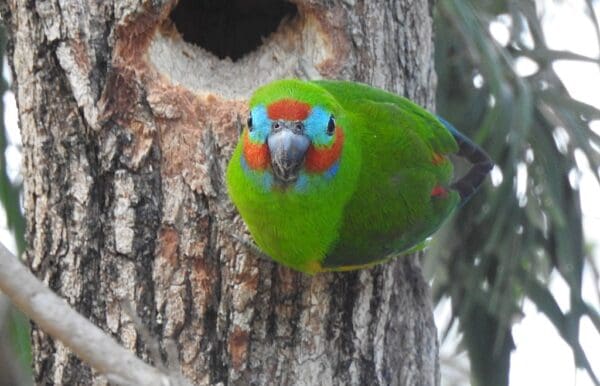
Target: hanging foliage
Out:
[527,224]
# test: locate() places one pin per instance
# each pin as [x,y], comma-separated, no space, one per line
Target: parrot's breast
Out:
[295,225]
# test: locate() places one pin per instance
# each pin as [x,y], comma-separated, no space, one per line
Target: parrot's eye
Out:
[249,123]
[299,128]
[275,126]
[331,126]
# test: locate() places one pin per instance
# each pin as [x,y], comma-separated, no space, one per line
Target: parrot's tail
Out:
[481,161]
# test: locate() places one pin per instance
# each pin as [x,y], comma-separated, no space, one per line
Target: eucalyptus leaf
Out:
[532,226]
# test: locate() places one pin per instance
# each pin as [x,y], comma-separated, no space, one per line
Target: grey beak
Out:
[288,149]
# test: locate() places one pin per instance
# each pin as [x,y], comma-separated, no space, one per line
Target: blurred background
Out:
[516,272]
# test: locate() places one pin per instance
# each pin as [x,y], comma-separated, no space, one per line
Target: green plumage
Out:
[390,191]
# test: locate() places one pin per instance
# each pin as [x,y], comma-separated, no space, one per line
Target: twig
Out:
[53,315]
[150,341]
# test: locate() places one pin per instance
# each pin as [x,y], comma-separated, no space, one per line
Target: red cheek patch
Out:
[257,155]
[289,110]
[319,160]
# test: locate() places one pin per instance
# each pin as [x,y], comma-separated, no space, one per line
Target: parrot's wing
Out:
[442,138]
[409,117]
[397,110]
[428,127]
[403,195]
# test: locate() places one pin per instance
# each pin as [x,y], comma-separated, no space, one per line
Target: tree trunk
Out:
[127,129]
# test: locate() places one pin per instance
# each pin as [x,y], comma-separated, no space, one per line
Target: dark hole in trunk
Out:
[230,28]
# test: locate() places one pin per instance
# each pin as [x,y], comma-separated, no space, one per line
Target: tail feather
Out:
[467,185]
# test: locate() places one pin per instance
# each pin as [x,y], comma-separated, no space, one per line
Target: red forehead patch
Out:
[289,110]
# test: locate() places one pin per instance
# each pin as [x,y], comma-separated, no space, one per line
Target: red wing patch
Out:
[439,191]
[437,159]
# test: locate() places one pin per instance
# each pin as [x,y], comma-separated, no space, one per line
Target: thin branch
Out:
[592,15]
[548,55]
[146,336]
[53,315]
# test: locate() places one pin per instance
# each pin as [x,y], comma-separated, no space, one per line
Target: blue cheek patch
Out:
[302,183]
[316,126]
[245,164]
[261,124]
[267,181]
[264,179]
[306,181]
[332,171]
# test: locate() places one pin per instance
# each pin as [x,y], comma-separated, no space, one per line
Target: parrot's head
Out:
[292,133]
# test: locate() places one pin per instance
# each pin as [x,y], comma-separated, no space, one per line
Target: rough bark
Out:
[127,130]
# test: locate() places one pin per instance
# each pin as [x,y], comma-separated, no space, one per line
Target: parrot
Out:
[332,175]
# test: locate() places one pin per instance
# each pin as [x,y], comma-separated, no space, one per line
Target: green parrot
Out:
[337,175]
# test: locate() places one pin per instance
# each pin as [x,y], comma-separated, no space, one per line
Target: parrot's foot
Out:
[254,249]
